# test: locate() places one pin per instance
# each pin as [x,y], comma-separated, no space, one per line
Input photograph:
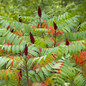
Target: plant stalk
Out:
[55,39]
[26,70]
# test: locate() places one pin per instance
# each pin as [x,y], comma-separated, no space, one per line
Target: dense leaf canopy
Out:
[42,42]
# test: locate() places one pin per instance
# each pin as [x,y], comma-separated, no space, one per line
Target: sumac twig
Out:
[79,63]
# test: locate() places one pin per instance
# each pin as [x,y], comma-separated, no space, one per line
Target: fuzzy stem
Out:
[40,22]
[55,39]
[41,27]
[26,70]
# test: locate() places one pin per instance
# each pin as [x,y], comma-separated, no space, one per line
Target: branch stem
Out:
[26,70]
[79,63]
[55,39]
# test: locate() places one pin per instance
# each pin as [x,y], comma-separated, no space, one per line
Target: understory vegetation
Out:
[43,43]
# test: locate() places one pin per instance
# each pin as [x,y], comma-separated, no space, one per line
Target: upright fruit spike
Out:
[32,38]
[12,30]
[55,26]
[26,50]
[39,11]
[67,42]
[20,20]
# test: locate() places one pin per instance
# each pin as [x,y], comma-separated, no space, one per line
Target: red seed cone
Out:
[32,38]
[39,11]
[67,42]
[26,50]
[55,26]
[20,20]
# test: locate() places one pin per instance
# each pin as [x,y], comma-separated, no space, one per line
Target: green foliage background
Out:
[70,17]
